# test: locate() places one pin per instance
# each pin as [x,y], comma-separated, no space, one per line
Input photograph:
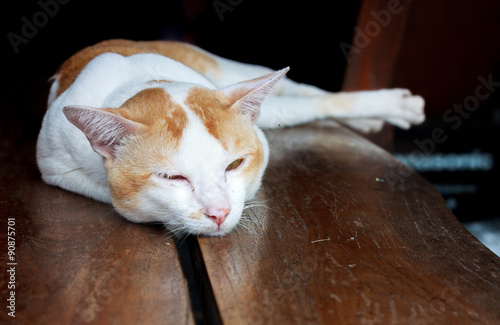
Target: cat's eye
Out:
[234,164]
[167,176]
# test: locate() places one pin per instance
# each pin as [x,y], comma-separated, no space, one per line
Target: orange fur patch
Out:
[187,54]
[213,111]
[227,125]
[197,215]
[155,108]
[165,121]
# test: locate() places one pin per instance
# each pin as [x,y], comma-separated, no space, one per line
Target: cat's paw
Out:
[401,109]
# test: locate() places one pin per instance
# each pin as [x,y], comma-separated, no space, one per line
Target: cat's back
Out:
[186,54]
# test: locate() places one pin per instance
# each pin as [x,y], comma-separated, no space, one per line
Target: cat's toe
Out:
[364,125]
[401,92]
[399,122]
[413,108]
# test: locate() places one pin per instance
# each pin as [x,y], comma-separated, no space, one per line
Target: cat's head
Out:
[182,154]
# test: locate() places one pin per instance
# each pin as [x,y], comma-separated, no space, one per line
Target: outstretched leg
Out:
[295,103]
[396,106]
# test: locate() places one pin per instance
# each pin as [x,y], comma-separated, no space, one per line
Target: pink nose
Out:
[218,214]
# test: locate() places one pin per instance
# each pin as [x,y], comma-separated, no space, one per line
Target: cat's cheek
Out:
[134,214]
[243,188]
[130,206]
[161,202]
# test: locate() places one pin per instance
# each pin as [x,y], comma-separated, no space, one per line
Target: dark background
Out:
[273,33]
[447,45]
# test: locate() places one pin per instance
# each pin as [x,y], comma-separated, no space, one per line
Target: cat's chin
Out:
[216,232]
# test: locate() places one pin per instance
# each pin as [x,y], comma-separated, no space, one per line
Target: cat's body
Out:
[169,133]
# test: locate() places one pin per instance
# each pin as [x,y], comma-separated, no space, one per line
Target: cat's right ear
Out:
[247,96]
[103,129]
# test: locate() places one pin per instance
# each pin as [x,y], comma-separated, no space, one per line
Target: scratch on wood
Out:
[320,240]
[407,205]
[413,310]
[359,223]
[335,297]
[449,235]
[390,234]
[418,227]
[427,212]
[367,300]
[468,281]
[355,237]
[469,270]
[376,319]
[334,261]
[394,311]
[376,243]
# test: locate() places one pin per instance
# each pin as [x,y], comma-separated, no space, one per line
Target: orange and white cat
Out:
[169,133]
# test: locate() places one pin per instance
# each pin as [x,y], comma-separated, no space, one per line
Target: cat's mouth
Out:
[218,227]
[218,232]
[214,221]
[199,223]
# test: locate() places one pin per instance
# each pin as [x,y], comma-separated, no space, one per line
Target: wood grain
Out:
[345,234]
[78,262]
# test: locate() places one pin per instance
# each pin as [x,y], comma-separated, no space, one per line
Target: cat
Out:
[167,132]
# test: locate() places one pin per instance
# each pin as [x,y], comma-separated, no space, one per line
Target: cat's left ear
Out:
[103,129]
[247,96]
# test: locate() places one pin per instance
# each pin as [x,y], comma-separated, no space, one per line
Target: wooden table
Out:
[341,233]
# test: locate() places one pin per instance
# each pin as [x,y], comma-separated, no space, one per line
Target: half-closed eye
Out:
[234,164]
[167,176]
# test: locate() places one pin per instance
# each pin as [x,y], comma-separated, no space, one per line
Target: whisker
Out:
[253,203]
